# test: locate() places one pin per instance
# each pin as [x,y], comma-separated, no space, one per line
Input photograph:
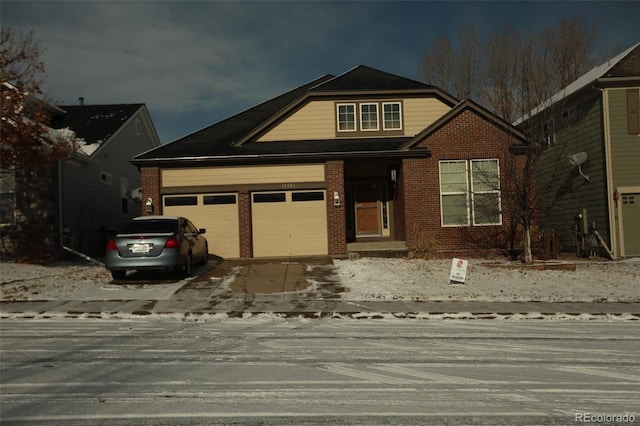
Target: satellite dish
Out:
[578,159]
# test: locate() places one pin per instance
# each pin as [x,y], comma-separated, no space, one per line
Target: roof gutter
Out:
[258,158]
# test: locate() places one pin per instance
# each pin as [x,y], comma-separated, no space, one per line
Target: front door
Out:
[367,207]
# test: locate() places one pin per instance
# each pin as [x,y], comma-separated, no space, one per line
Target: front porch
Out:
[379,248]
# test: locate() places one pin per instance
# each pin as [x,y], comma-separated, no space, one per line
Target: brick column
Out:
[244,213]
[336,222]
[150,180]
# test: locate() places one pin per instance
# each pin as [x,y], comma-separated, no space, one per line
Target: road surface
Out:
[332,371]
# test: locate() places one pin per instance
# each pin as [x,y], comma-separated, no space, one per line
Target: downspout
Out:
[611,211]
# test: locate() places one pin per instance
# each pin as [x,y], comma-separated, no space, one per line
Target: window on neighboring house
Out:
[369,117]
[392,116]
[485,190]
[106,178]
[137,127]
[633,111]
[124,196]
[7,197]
[470,189]
[549,130]
[346,117]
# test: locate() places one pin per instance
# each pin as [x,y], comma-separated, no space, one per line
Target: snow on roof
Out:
[587,79]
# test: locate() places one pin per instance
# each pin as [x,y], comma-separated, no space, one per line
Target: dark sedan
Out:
[163,243]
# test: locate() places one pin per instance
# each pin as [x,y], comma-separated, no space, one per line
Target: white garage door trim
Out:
[216,212]
[289,223]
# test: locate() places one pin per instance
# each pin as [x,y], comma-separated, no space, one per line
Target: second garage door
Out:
[289,223]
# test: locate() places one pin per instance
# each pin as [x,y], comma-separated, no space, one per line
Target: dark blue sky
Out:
[195,63]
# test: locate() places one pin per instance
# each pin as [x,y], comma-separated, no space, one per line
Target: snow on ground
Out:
[418,279]
[364,279]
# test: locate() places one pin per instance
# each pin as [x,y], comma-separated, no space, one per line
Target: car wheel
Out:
[205,258]
[118,275]
[186,271]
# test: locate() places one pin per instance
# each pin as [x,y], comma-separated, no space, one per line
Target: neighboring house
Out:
[364,159]
[593,156]
[90,194]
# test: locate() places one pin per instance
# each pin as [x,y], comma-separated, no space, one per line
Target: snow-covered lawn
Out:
[417,279]
[363,279]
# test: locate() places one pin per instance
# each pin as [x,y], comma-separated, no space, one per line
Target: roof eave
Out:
[268,158]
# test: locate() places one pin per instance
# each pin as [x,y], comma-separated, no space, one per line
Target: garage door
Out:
[217,213]
[289,223]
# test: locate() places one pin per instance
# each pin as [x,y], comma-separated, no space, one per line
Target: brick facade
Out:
[336,223]
[151,184]
[465,137]
[244,212]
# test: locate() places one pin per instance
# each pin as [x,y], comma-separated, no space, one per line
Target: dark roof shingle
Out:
[94,123]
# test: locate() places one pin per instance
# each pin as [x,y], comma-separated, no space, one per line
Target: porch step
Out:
[377,249]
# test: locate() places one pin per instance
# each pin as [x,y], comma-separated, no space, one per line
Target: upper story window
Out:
[392,116]
[369,117]
[346,117]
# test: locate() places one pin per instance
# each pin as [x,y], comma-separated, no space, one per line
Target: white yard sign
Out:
[458,271]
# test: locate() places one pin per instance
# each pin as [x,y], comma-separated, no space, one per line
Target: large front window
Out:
[454,193]
[470,189]
[485,191]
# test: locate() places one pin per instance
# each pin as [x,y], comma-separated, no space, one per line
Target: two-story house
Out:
[589,172]
[76,202]
[363,158]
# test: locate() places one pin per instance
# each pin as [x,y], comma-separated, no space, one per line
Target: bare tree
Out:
[456,71]
[520,73]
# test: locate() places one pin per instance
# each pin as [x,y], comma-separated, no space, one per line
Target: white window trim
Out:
[355,117]
[492,191]
[465,193]
[377,128]
[384,122]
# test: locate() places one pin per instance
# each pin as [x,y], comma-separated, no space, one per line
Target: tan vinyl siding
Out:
[315,120]
[625,148]
[242,175]
[419,113]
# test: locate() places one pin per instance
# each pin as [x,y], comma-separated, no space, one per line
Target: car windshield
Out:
[151,226]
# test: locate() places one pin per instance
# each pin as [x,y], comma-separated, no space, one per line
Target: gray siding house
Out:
[588,175]
[93,192]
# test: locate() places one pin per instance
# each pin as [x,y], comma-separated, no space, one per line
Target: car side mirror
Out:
[202,231]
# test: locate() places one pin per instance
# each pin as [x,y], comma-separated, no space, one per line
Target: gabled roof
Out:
[363,78]
[94,124]
[234,137]
[456,111]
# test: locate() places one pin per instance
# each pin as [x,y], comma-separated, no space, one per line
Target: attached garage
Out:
[217,213]
[286,223]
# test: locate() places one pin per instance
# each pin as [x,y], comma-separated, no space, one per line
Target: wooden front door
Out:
[367,207]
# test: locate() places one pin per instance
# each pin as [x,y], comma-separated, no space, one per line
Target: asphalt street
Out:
[323,371]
